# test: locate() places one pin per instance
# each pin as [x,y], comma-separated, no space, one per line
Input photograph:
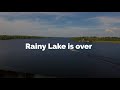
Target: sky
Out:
[60,24]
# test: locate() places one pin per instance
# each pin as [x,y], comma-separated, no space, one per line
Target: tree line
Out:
[93,39]
[7,37]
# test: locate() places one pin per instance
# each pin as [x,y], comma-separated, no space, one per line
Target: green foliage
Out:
[96,39]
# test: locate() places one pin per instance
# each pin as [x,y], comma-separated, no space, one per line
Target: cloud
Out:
[113,30]
[109,30]
[46,27]
[108,24]
[57,13]
[52,17]
[41,28]
[57,18]
[20,14]
[106,21]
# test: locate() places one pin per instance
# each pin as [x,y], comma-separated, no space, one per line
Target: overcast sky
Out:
[60,24]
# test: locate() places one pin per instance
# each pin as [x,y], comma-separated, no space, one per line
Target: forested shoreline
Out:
[96,39]
[8,37]
[78,39]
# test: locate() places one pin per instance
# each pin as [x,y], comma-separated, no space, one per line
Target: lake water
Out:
[103,60]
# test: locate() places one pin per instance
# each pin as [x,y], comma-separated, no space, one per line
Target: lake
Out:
[103,60]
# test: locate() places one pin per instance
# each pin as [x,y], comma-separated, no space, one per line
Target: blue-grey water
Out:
[103,60]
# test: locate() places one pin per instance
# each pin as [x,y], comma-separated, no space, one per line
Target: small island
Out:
[97,39]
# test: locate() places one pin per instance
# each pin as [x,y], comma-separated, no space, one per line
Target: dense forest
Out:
[7,37]
[97,39]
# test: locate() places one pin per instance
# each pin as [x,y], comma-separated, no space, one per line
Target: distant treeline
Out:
[7,37]
[95,39]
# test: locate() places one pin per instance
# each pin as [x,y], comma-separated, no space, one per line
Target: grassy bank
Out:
[8,37]
[97,39]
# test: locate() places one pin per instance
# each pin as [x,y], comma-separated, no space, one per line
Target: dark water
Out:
[103,60]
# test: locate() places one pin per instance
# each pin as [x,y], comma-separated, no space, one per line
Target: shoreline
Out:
[97,39]
[9,37]
[107,42]
[77,39]
[14,74]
